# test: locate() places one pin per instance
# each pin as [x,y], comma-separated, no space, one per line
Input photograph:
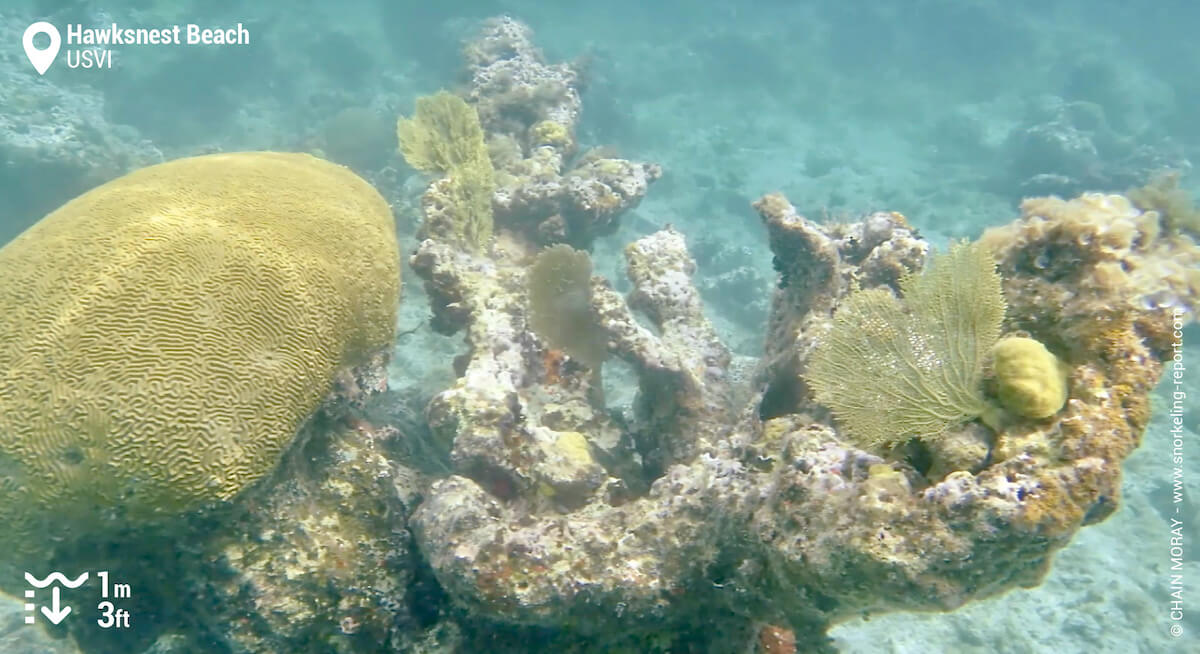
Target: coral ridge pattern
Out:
[164,336]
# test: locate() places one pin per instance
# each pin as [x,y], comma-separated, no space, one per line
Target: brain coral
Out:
[163,336]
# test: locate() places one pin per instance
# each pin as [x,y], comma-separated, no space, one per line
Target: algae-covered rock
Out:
[163,336]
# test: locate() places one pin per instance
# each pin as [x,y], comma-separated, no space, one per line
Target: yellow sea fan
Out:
[444,137]
[891,369]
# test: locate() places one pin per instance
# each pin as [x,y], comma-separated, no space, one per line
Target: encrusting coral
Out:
[1173,204]
[164,335]
[1107,262]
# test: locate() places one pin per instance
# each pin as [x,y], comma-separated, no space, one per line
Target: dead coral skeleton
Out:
[697,500]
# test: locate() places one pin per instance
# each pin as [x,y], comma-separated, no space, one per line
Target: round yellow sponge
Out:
[1030,380]
[163,336]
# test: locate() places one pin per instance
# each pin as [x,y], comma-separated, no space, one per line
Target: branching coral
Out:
[561,473]
[695,506]
[529,110]
[552,516]
[506,154]
[817,266]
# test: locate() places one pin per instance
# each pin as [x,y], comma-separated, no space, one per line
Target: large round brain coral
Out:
[163,336]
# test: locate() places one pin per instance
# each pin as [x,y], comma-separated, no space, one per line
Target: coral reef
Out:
[513,87]
[540,524]
[837,514]
[1102,262]
[315,561]
[314,558]
[724,509]
[817,266]
[1173,204]
[1068,147]
[529,110]
[695,508]
[209,305]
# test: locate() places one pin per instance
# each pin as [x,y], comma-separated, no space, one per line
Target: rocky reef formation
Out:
[697,507]
[723,511]
[313,558]
[545,189]
[1067,147]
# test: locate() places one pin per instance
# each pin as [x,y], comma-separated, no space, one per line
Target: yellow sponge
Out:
[163,336]
[1030,380]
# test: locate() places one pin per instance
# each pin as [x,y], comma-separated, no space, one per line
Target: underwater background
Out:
[949,112]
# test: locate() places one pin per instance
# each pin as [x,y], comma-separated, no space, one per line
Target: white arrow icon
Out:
[55,614]
[41,59]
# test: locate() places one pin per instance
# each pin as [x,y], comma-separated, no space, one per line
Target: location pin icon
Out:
[41,59]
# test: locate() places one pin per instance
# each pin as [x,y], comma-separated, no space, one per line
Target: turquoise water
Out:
[946,111]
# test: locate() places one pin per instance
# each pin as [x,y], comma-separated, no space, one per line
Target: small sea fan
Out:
[560,309]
